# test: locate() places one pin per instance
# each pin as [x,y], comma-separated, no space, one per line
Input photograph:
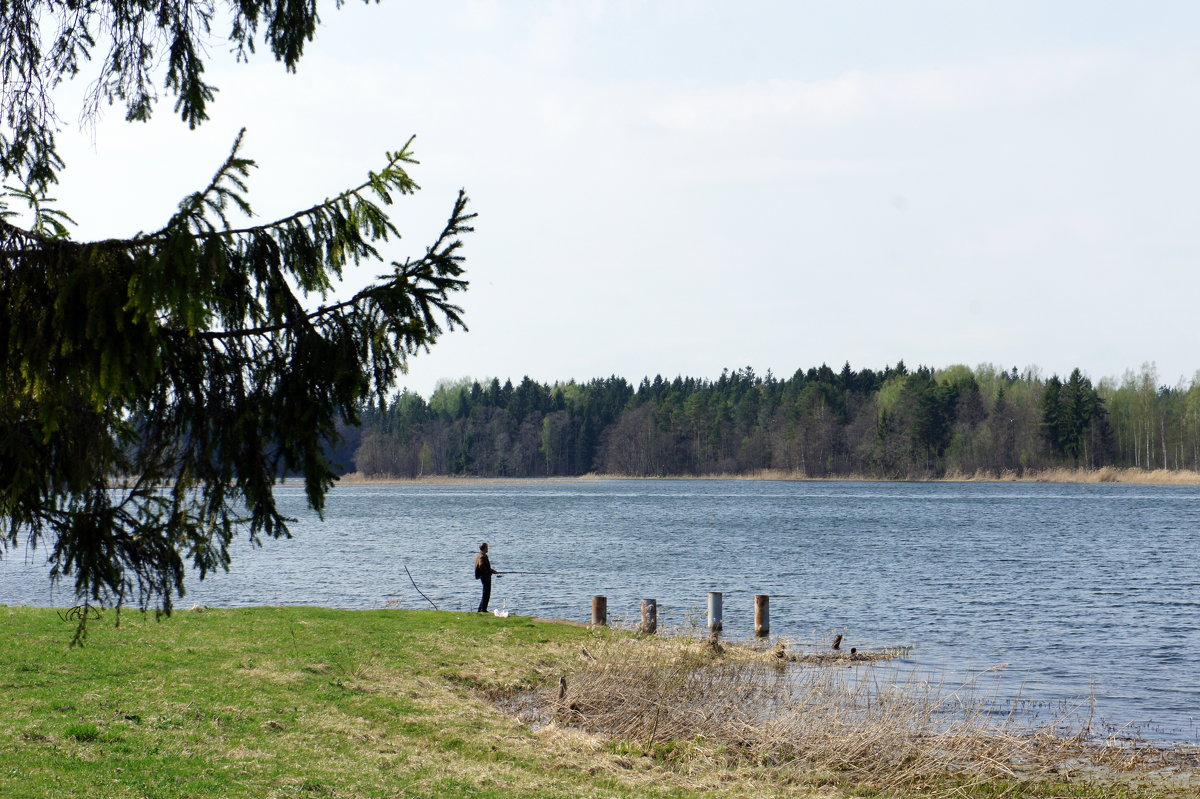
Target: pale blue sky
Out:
[679,187]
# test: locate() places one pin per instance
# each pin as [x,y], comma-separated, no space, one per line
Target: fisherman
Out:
[484,572]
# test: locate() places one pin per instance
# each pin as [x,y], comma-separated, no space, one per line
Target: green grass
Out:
[301,702]
[311,702]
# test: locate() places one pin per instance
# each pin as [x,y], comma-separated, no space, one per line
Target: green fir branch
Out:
[186,361]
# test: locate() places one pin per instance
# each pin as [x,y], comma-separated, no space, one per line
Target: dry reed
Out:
[755,705]
[1105,474]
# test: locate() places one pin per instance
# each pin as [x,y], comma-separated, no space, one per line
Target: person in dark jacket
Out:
[483,573]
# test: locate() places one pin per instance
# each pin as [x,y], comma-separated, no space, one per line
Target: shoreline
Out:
[1107,474]
[301,700]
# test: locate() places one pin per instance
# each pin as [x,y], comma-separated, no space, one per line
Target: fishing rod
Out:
[542,573]
[414,585]
[419,591]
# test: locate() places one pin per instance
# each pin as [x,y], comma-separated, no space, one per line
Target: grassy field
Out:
[310,702]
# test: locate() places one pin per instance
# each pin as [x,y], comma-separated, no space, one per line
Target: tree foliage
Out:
[890,423]
[154,388]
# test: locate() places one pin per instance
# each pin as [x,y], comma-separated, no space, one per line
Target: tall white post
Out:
[714,611]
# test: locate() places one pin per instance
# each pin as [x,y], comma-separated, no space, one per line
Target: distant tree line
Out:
[893,423]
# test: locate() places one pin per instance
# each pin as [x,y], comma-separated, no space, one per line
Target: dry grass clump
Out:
[749,705]
[1113,474]
[1105,474]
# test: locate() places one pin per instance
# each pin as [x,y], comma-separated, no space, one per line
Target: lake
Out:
[1082,590]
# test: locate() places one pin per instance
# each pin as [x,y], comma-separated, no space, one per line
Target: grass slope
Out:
[276,702]
[311,702]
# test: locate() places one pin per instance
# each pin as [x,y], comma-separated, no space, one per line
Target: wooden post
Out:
[650,616]
[762,615]
[600,611]
[714,611]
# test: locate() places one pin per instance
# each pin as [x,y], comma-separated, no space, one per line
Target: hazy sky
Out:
[679,187]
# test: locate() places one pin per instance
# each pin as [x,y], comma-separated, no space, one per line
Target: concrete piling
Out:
[714,611]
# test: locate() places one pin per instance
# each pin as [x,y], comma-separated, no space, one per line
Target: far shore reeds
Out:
[1105,474]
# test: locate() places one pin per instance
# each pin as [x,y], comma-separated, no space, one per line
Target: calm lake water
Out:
[1082,590]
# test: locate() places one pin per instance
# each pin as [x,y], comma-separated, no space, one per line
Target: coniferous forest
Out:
[894,423]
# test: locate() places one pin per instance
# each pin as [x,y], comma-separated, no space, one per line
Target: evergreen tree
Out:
[186,365]
[1076,407]
[152,389]
[1052,426]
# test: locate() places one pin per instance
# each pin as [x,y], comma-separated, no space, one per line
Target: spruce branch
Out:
[429,280]
[186,363]
[215,197]
[48,221]
[392,177]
